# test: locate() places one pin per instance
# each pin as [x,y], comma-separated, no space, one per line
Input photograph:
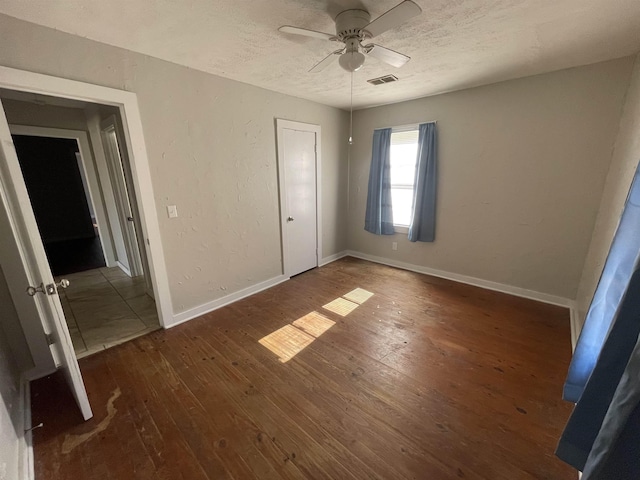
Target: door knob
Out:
[129,219]
[31,291]
[290,219]
[50,289]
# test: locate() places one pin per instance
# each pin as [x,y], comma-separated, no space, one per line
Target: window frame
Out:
[400,228]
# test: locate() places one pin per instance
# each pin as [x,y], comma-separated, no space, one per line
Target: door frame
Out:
[123,198]
[281,125]
[90,173]
[127,104]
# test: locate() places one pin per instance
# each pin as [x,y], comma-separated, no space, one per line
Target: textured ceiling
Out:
[453,44]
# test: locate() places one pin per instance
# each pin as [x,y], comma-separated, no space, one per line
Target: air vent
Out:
[381,80]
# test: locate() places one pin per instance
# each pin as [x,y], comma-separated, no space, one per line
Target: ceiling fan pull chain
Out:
[351,114]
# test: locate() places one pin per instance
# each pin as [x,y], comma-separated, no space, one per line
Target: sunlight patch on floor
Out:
[341,306]
[286,342]
[358,295]
[314,323]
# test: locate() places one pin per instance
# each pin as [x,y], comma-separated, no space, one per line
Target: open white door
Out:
[121,190]
[23,251]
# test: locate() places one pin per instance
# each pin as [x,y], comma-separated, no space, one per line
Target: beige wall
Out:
[211,146]
[10,323]
[626,155]
[522,167]
[10,412]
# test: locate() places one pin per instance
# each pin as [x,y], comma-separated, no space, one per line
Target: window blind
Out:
[405,137]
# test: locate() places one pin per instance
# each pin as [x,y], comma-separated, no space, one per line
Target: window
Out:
[398,178]
[404,152]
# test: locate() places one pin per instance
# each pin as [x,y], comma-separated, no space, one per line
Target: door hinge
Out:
[50,338]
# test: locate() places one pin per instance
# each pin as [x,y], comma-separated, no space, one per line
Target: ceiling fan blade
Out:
[386,55]
[393,18]
[306,32]
[324,63]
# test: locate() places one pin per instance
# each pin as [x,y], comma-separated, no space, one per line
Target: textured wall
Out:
[10,323]
[10,411]
[626,155]
[522,167]
[211,146]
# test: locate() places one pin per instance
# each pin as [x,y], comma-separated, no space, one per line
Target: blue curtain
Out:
[616,274]
[379,215]
[423,220]
[607,402]
[616,450]
[607,353]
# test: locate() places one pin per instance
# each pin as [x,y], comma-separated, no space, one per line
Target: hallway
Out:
[104,307]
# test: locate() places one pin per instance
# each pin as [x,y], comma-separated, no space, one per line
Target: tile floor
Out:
[104,307]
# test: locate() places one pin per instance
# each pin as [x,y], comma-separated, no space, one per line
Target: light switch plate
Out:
[172,211]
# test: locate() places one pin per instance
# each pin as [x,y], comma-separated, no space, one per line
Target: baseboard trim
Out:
[332,258]
[192,313]
[123,268]
[477,282]
[575,325]
[195,312]
[26,440]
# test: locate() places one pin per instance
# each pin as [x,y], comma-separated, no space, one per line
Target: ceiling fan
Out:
[353,27]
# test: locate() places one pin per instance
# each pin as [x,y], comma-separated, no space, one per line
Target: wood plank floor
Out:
[427,379]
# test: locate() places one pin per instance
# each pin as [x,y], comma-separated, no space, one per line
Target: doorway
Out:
[51,168]
[38,308]
[104,305]
[299,180]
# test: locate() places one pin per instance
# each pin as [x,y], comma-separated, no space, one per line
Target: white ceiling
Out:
[453,44]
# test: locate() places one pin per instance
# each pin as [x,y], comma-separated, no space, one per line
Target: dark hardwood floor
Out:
[427,379]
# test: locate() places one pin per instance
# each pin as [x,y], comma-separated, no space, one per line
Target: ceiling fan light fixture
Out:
[351,61]
[353,26]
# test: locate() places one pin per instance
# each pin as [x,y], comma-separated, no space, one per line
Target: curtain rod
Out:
[407,125]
